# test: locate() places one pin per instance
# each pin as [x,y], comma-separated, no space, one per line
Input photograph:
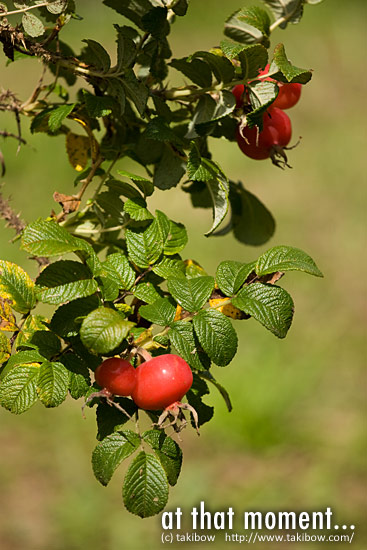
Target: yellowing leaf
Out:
[77,148]
[16,287]
[227,309]
[32,324]
[5,348]
[7,319]
[178,313]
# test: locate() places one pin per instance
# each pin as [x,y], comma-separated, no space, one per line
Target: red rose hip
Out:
[117,376]
[276,133]
[161,381]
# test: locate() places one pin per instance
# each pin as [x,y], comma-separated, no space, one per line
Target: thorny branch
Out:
[15,222]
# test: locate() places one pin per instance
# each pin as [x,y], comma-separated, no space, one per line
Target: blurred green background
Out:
[296,437]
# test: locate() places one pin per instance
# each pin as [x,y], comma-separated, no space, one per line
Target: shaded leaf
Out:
[112,450]
[168,452]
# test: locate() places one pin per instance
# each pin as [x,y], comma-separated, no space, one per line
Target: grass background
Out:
[296,437]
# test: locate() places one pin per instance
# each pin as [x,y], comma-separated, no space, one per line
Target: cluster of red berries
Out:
[153,385]
[277,128]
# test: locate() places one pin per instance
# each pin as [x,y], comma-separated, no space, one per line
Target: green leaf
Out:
[262,95]
[32,324]
[48,238]
[112,205]
[230,49]
[252,222]
[180,7]
[161,312]
[256,17]
[79,378]
[269,304]
[289,10]
[119,270]
[97,55]
[200,168]
[32,25]
[194,397]
[103,330]
[158,129]
[63,281]
[145,490]
[112,450]
[253,58]
[168,452]
[98,106]
[109,419]
[195,69]
[57,6]
[231,275]
[67,319]
[169,170]
[208,111]
[287,71]
[24,357]
[155,22]
[286,258]
[183,339]
[17,287]
[218,189]
[222,69]
[147,292]
[136,91]
[108,289]
[46,342]
[53,383]
[169,267]
[240,31]
[5,348]
[116,90]
[58,115]
[137,209]
[131,9]
[144,245]
[174,235]
[145,185]
[126,48]
[216,335]
[18,389]
[191,294]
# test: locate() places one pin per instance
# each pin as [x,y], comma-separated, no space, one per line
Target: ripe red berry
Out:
[117,376]
[276,133]
[161,381]
[288,95]
[238,91]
